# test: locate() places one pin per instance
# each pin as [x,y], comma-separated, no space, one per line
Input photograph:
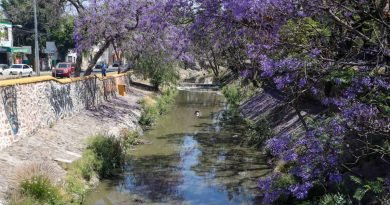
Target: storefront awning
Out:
[24,49]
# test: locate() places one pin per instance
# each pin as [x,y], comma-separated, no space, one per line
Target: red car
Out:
[64,70]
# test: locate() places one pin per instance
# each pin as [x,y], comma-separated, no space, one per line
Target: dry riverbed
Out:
[64,142]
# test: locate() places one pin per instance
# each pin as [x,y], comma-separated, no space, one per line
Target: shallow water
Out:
[190,160]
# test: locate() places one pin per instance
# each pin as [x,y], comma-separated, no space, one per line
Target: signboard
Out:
[51,47]
[24,49]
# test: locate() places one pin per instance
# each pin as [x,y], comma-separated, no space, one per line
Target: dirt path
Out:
[65,140]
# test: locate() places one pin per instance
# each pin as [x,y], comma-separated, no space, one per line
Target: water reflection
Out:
[190,161]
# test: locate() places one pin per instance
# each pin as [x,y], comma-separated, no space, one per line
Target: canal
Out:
[190,160]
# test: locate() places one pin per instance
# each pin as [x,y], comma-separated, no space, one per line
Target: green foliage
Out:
[75,186]
[108,155]
[41,189]
[238,92]
[148,116]
[257,133]
[375,187]
[157,68]
[333,199]
[24,200]
[151,111]
[129,139]
[62,34]
[103,156]
[232,94]
[301,32]
[87,165]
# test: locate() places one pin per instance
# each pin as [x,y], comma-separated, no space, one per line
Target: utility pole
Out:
[36,40]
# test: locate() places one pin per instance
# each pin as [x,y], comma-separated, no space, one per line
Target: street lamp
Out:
[36,39]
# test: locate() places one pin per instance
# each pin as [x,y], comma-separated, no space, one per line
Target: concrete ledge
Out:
[22,81]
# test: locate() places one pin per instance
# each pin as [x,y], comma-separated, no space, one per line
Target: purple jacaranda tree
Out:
[104,23]
[335,52]
[332,51]
[131,26]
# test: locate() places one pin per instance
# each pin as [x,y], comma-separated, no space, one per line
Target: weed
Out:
[257,133]
[153,108]
[18,199]
[129,138]
[109,154]
[41,189]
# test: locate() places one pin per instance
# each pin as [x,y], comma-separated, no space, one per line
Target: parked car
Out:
[20,69]
[98,66]
[64,70]
[125,67]
[2,68]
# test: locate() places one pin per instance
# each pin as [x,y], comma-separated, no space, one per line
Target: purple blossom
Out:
[335,177]
[315,52]
[387,183]
[277,145]
[338,81]
[267,66]
[290,155]
[366,81]
[348,14]
[314,91]
[246,73]
[302,82]
[283,81]
[300,191]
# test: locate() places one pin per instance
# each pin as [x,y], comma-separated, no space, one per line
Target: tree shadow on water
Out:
[155,177]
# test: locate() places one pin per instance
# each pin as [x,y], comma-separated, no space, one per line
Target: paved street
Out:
[48,73]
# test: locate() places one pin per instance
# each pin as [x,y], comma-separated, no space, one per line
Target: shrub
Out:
[109,154]
[232,94]
[238,92]
[333,199]
[158,68]
[32,170]
[257,133]
[153,108]
[87,165]
[75,186]
[148,116]
[41,189]
[19,199]
[129,138]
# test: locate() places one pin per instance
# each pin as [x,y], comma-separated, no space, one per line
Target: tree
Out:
[335,52]
[127,26]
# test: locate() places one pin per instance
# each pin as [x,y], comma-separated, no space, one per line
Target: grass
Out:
[157,106]
[36,184]
[237,92]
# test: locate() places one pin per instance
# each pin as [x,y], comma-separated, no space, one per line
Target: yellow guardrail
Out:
[29,80]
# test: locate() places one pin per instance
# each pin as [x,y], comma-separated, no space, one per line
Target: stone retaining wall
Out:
[29,104]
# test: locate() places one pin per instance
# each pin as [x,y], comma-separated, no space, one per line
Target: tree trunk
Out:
[216,66]
[96,57]
[79,61]
[301,118]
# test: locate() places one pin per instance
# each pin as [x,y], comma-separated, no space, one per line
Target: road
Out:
[48,73]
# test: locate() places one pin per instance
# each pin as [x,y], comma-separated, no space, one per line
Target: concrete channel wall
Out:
[32,103]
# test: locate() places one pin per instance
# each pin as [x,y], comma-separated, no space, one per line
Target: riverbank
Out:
[64,141]
[189,160]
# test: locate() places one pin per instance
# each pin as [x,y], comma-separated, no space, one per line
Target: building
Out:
[9,54]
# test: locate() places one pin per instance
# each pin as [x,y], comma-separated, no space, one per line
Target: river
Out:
[191,160]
